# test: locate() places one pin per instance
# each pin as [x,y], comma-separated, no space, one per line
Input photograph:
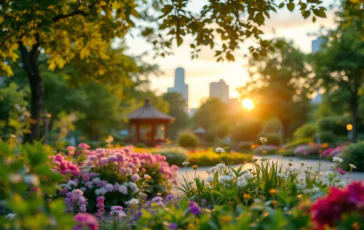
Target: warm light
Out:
[248,104]
[349,127]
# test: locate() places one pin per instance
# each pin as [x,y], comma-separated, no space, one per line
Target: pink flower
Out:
[341,171]
[103,161]
[135,177]
[86,221]
[71,150]
[84,146]
[109,187]
[85,177]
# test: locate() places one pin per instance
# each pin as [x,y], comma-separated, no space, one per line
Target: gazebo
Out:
[148,125]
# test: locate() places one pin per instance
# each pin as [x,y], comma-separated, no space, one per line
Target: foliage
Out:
[295,143]
[314,150]
[247,130]
[208,157]
[277,85]
[177,109]
[188,140]
[27,188]
[327,137]
[264,150]
[335,125]
[174,155]
[354,154]
[273,139]
[307,131]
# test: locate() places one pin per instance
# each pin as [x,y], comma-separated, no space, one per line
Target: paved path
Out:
[201,171]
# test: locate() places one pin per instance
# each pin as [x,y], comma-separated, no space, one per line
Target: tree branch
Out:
[75,12]
[6,38]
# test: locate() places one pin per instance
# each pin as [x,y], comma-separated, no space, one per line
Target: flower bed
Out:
[118,175]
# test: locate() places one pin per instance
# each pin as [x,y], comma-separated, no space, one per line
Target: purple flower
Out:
[172,226]
[194,208]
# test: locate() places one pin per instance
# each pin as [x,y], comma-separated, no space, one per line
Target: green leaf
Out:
[281,5]
[230,57]
[313,19]
[167,9]
[290,6]
[306,14]
[259,18]
[179,40]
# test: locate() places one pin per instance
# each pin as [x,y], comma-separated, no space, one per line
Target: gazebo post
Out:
[153,133]
[137,132]
[165,131]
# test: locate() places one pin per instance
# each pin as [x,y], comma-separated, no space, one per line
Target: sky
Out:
[200,72]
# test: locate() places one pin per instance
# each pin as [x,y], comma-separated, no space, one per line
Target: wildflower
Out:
[241,182]
[10,216]
[71,150]
[210,179]
[247,196]
[248,176]
[194,208]
[147,177]
[123,189]
[31,180]
[263,139]
[341,171]
[195,167]
[226,219]
[352,166]
[290,164]
[274,202]
[14,178]
[84,146]
[172,226]
[273,192]
[134,201]
[185,163]
[338,160]
[219,150]
[302,163]
[224,178]
[135,177]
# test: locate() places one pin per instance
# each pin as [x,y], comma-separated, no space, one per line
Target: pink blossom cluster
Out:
[75,201]
[305,150]
[333,152]
[100,205]
[117,211]
[62,165]
[86,221]
[325,211]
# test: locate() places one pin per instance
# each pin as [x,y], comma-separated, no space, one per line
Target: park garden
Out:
[275,159]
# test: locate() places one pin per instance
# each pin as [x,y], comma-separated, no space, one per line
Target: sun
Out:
[248,104]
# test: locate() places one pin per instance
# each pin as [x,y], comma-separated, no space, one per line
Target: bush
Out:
[247,131]
[294,144]
[188,140]
[289,153]
[175,155]
[334,124]
[327,137]
[273,139]
[210,158]
[141,145]
[354,154]
[306,131]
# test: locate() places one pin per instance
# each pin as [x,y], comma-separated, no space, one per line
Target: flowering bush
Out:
[109,177]
[311,149]
[208,157]
[333,152]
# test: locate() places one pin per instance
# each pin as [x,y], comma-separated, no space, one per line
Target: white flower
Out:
[263,139]
[147,177]
[300,186]
[103,191]
[134,201]
[95,180]
[337,160]
[248,176]
[210,179]
[340,184]
[219,150]
[10,216]
[242,182]
[72,183]
[212,170]
[31,180]
[257,200]
[14,178]
[329,174]
[185,163]
[352,166]
[282,175]
[221,166]
[224,178]
[312,190]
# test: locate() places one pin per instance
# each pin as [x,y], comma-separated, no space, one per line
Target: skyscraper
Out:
[220,90]
[179,84]
[316,44]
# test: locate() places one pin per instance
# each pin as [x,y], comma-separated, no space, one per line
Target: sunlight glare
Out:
[248,104]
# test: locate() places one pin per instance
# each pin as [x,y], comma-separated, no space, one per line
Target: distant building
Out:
[316,44]
[179,84]
[220,90]
[192,112]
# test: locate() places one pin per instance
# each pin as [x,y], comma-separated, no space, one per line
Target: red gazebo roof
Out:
[148,112]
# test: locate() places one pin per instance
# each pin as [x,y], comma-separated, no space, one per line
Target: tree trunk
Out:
[30,60]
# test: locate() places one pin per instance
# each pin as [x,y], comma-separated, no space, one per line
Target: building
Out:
[220,90]
[316,44]
[179,84]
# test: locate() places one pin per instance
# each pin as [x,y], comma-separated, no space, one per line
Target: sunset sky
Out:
[200,72]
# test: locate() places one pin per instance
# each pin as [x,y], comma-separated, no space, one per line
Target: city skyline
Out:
[205,69]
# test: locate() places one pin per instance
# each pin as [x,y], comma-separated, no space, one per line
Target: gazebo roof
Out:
[148,112]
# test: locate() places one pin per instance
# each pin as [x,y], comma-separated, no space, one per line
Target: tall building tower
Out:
[316,44]
[220,90]
[179,84]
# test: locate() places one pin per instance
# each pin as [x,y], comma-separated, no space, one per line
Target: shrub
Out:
[141,145]
[327,137]
[297,142]
[334,124]
[268,150]
[209,157]
[306,131]
[175,155]
[188,140]
[354,154]
[273,139]
[247,131]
